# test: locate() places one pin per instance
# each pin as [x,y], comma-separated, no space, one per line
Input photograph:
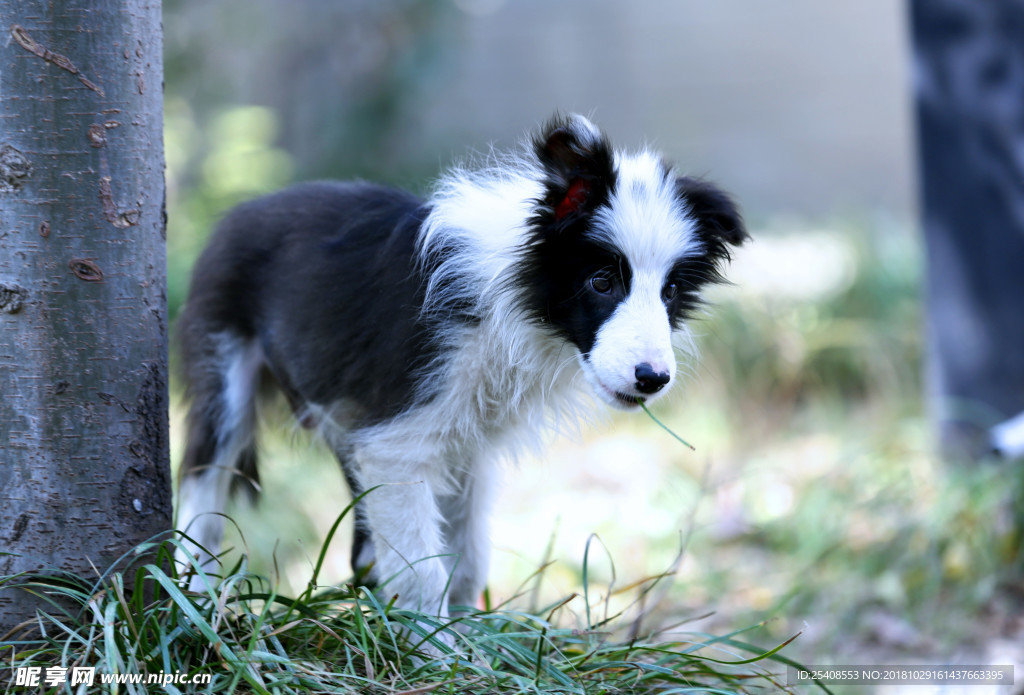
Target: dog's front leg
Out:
[405,526]
[467,511]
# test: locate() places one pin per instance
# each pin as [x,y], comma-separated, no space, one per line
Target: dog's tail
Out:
[222,371]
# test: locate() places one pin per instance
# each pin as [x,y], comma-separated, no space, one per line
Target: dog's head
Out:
[620,248]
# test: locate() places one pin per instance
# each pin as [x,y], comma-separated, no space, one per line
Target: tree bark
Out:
[969,56]
[84,473]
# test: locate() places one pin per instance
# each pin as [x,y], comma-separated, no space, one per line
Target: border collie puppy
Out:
[423,338]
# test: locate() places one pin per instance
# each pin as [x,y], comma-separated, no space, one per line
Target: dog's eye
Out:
[669,292]
[601,283]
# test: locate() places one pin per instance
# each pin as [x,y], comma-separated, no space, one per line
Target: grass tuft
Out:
[347,639]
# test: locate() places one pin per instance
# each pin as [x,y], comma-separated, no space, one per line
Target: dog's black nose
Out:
[648,380]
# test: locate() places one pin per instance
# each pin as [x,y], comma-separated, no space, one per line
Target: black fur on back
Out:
[326,271]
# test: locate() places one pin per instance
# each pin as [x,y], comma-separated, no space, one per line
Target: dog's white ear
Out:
[578,163]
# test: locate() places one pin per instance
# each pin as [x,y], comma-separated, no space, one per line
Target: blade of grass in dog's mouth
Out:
[666,428]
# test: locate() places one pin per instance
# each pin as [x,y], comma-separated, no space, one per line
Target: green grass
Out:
[346,639]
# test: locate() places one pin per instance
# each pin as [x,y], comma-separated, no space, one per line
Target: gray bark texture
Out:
[969,57]
[84,474]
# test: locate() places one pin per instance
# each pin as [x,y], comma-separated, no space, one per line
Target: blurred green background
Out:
[815,501]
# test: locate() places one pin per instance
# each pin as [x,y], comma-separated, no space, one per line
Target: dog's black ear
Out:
[718,219]
[577,162]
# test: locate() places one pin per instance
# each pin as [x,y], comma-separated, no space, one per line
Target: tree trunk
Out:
[969,56]
[84,473]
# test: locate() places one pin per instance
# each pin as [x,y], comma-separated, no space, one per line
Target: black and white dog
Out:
[423,338]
